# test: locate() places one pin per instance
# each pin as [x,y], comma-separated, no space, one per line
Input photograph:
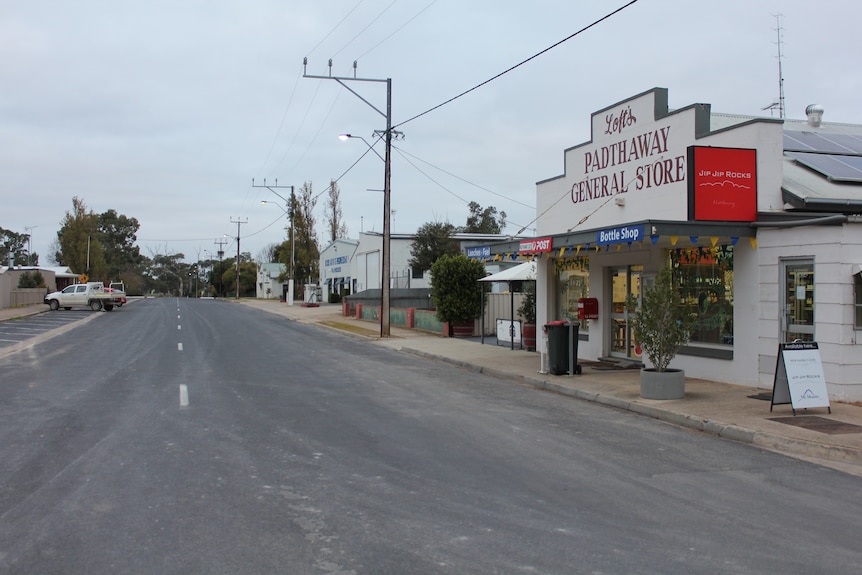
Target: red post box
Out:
[588,308]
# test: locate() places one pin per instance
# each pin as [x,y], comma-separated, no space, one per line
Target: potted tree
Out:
[527,311]
[660,329]
[456,292]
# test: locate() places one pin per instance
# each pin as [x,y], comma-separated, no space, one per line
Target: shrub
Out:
[455,288]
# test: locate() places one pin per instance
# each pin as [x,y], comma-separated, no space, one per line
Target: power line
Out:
[358,34]
[457,177]
[346,16]
[394,32]
[519,64]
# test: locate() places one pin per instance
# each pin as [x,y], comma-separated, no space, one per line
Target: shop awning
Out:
[520,272]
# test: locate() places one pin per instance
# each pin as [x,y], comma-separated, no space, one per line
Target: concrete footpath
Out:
[730,411]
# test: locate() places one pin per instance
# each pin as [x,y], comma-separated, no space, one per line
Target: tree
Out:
[306,252]
[16,244]
[247,275]
[432,241]
[117,234]
[484,220]
[334,223]
[166,274]
[269,253]
[79,240]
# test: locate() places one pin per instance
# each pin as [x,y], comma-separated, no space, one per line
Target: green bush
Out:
[455,288]
[31,280]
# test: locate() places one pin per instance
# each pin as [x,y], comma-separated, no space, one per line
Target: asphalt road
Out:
[200,436]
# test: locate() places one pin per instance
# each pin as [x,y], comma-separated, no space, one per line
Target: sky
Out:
[168,110]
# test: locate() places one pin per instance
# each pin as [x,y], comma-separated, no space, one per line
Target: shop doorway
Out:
[625,281]
[797,300]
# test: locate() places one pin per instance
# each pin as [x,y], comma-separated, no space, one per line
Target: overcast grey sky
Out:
[165,110]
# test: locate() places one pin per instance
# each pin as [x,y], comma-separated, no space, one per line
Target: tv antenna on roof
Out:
[780,41]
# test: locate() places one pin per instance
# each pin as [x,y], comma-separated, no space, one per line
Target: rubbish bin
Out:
[562,341]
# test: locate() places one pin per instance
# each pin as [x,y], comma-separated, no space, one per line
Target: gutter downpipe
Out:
[826,220]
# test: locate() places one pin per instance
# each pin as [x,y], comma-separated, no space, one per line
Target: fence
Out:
[499,306]
[26,296]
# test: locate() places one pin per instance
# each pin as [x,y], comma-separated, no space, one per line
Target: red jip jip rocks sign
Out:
[722,184]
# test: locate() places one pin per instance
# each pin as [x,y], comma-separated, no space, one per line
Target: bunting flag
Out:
[654,239]
[714,240]
[579,250]
[753,242]
[733,241]
[562,251]
[673,240]
[693,239]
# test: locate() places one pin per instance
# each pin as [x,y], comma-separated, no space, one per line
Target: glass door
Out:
[797,300]
[625,281]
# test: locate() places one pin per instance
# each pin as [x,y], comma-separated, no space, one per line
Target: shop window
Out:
[857,290]
[797,300]
[573,283]
[705,279]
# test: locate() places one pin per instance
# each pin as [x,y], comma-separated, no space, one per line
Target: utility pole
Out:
[291,206]
[238,223]
[780,73]
[220,242]
[387,265]
[29,229]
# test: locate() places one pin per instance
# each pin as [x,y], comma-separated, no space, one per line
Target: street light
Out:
[292,242]
[387,194]
[345,137]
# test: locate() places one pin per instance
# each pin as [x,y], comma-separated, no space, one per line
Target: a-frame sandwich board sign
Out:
[799,378]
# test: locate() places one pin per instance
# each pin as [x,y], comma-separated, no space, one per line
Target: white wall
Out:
[834,250]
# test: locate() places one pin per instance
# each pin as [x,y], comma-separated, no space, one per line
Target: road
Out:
[201,436]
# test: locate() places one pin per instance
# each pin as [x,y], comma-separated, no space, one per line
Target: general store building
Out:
[757,217]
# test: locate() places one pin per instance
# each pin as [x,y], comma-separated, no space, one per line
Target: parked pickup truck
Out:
[91,294]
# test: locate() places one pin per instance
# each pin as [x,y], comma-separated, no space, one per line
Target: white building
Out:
[353,266]
[268,286]
[757,217]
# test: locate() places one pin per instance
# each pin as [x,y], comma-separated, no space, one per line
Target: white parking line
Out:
[179,347]
[184,395]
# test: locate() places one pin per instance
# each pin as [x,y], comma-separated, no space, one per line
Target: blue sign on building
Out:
[479,252]
[335,261]
[621,235]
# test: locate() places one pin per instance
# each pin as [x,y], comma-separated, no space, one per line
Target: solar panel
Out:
[836,167]
[799,141]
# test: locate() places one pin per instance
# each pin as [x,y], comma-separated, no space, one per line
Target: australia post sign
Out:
[535,245]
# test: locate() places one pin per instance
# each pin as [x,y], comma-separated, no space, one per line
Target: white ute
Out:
[91,294]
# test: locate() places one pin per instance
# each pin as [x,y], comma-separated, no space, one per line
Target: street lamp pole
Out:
[291,209]
[384,300]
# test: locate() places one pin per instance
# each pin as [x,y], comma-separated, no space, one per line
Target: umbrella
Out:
[521,272]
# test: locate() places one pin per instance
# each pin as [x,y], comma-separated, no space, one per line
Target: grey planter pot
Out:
[669,384]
